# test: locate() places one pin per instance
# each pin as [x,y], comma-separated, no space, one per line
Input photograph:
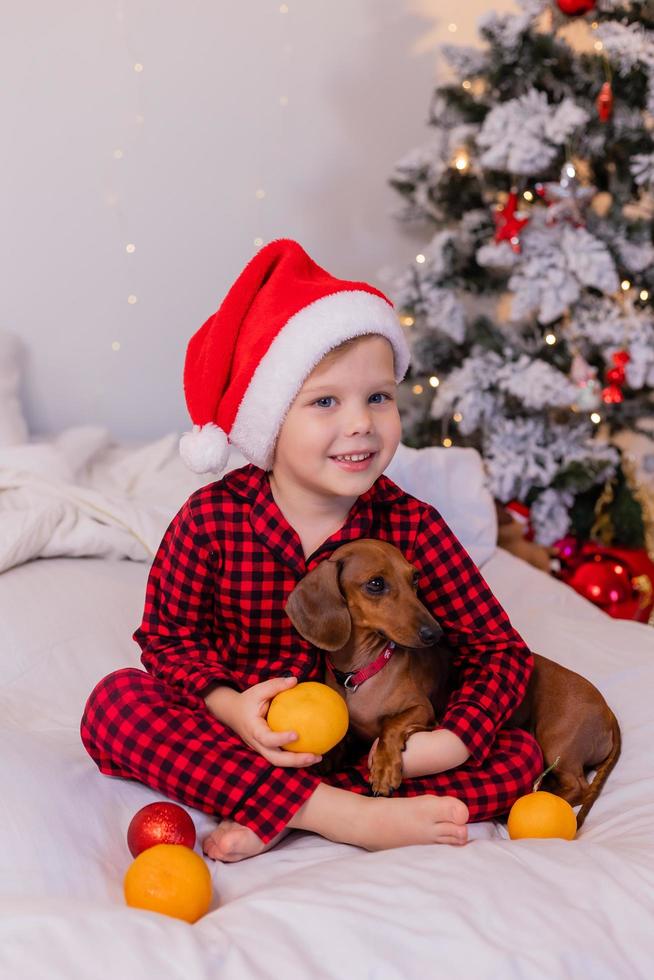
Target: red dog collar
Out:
[352,680]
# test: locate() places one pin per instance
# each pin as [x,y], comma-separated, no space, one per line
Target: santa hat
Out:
[246,364]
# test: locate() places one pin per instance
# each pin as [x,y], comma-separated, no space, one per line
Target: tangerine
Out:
[170,879]
[541,814]
[317,713]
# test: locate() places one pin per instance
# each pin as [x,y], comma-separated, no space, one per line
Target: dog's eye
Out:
[375,585]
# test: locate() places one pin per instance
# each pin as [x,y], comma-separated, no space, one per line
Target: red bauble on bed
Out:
[572,8]
[160,823]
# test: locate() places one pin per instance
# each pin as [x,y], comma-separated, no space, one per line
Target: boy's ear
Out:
[317,609]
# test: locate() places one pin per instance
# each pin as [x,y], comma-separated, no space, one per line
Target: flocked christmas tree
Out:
[530,308]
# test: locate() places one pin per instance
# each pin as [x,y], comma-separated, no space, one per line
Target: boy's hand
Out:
[248,719]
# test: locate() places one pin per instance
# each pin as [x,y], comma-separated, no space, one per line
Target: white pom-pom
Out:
[205,449]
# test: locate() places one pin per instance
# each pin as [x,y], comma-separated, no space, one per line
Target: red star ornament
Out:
[507,223]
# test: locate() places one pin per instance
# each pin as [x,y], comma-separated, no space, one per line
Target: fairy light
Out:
[550,339]
[462,162]
[570,170]
[420,258]
[118,154]
[417,389]
[457,417]
[644,295]
[625,285]
[407,321]
[595,25]
[594,417]
[258,242]
[130,249]
[131,299]
[138,67]
[598,46]
[447,442]
[434,381]
[528,196]
[115,345]
[466,84]
[452,28]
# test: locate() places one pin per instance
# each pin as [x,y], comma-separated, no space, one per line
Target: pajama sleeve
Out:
[491,661]
[178,637]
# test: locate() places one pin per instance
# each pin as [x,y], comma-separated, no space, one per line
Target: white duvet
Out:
[308,908]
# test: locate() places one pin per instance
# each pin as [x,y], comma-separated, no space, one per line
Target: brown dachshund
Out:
[360,605]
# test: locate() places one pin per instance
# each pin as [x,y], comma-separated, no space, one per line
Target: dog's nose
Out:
[429,635]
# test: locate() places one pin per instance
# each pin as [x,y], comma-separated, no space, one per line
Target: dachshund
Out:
[360,606]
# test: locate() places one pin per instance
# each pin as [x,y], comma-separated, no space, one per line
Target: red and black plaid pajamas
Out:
[214,613]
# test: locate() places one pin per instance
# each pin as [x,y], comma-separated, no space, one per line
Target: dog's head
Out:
[365,583]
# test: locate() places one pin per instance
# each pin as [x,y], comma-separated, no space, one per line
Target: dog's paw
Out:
[385,775]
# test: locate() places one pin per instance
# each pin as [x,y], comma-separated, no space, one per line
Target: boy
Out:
[301,370]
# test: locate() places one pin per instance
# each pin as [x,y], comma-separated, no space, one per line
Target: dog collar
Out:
[356,677]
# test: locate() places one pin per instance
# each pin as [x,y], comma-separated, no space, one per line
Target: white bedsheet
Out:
[308,908]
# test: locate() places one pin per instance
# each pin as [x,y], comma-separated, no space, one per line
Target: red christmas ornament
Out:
[572,8]
[521,513]
[160,823]
[604,102]
[618,580]
[507,224]
[621,358]
[612,394]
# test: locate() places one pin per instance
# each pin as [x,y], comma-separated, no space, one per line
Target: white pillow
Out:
[13,428]
[454,482]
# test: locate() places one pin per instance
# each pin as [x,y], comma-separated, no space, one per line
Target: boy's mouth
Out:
[353,461]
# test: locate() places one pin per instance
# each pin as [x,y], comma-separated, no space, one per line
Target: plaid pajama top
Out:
[214,606]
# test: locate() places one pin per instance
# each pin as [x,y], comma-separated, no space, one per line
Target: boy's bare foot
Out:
[377,823]
[232,841]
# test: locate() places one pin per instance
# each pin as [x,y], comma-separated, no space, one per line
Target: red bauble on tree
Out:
[604,102]
[572,8]
[160,823]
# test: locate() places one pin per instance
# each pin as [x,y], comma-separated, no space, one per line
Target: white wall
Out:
[201,129]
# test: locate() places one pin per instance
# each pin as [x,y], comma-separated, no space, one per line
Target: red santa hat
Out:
[246,364]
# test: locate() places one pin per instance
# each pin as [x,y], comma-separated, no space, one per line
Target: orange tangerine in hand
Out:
[171,879]
[318,714]
[542,814]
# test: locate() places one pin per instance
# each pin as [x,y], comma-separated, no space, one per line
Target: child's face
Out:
[346,406]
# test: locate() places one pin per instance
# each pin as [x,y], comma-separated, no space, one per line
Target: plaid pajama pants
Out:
[138,727]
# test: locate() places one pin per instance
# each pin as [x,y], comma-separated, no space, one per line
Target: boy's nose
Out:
[359,421]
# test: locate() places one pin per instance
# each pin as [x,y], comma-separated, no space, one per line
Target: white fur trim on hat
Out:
[296,350]
[205,449]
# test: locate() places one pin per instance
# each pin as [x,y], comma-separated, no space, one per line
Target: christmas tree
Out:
[530,307]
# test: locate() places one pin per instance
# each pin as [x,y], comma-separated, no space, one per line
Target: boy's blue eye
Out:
[327,398]
[330,398]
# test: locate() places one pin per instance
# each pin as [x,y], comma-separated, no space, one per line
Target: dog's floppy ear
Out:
[318,610]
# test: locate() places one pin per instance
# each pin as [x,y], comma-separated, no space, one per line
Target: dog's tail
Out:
[602,773]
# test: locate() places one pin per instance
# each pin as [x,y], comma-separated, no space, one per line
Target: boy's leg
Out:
[136,727]
[488,790]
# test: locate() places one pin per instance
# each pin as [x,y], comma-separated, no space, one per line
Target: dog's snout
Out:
[429,634]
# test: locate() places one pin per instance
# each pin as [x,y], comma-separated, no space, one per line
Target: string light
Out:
[447,442]
[131,299]
[118,154]
[598,46]
[595,418]
[130,248]
[625,285]
[528,196]
[452,28]
[417,389]
[434,381]
[644,295]
[420,258]
[457,417]
[115,345]
[550,339]
[258,242]
[461,161]
[407,321]
[138,66]
[466,84]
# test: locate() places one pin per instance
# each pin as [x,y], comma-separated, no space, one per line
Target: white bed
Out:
[308,908]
